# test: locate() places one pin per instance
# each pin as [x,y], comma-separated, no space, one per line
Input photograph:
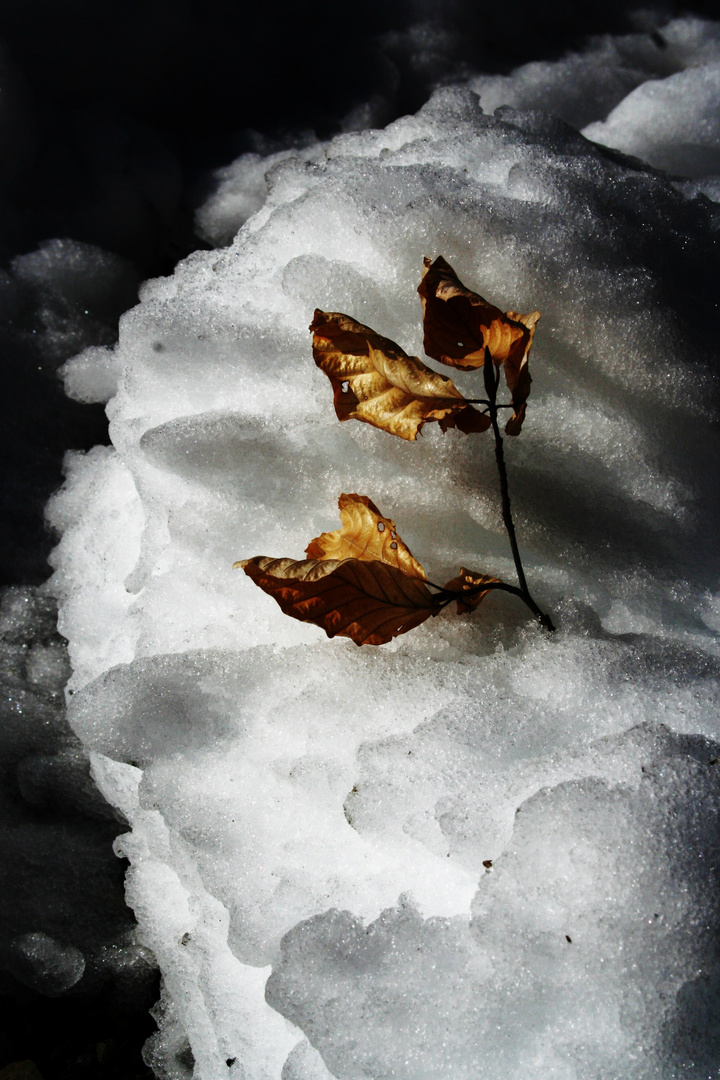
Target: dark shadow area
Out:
[78,1038]
[75,987]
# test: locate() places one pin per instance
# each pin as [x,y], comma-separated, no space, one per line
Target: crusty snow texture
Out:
[482,851]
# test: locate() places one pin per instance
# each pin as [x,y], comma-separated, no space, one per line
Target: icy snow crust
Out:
[481,851]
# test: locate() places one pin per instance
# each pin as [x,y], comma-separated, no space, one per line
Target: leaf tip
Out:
[319,318]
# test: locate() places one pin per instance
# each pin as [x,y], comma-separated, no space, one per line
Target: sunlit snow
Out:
[481,851]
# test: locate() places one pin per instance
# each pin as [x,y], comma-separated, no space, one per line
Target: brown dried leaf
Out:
[366,535]
[468,579]
[375,381]
[370,602]
[459,325]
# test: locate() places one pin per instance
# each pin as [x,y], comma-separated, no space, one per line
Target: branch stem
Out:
[492,379]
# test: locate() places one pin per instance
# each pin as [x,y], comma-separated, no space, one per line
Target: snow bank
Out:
[481,851]
[585,86]
[672,123]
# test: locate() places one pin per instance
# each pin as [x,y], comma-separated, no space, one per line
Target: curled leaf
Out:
[375,381]
[459,325]
[366,535]
[464,582]
[368,601]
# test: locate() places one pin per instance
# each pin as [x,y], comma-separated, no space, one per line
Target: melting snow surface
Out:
[481,851]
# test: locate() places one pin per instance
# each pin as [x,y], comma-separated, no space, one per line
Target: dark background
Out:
[113,114]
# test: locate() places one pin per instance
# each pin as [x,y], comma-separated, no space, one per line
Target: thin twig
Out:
[492,378]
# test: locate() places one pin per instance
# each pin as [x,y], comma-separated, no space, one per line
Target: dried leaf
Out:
[366,535]
[370,602]
[468,579]
[459,325]
[375,381]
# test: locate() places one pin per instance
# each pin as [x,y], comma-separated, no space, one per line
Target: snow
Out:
[585,86]
[481,851]
[672,123]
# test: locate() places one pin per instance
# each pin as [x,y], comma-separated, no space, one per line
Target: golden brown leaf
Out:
[366,535]
[468,579]
[459,325]
[370,602]
[375,381]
